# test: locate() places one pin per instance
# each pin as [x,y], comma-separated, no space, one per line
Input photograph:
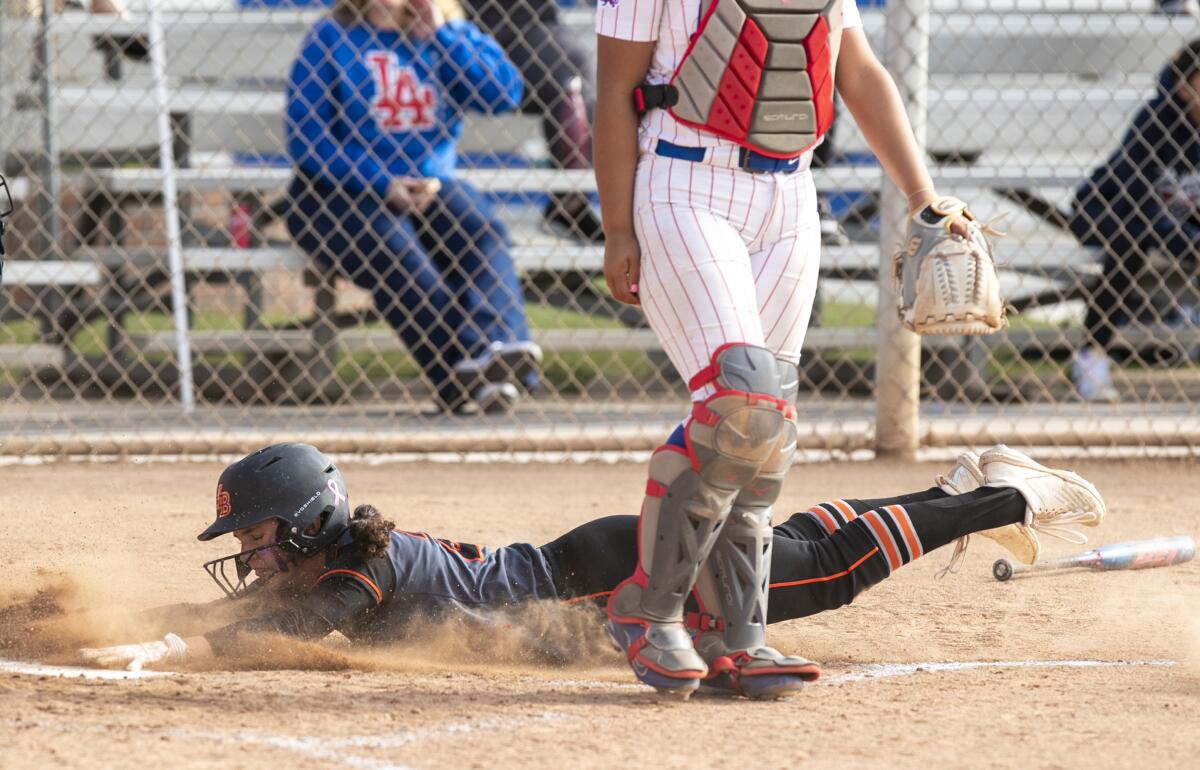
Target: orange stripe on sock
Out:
[900,516]
[884,538]
[846,510]
[827,578]
[826,520]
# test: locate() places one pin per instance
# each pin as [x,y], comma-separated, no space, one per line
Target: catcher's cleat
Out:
[1019,540]
[1055,500]
[762,673]
[660,653]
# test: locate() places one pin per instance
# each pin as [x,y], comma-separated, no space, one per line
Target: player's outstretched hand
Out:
[134,656]
[622,266]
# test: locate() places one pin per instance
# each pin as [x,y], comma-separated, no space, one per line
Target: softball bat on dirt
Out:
[1136,554]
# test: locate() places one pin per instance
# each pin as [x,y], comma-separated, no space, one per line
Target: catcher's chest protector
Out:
[760,72]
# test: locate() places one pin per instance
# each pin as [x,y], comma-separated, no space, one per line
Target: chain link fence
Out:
[184,275]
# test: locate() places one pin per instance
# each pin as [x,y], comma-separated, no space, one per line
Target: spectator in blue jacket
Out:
[375,100]
[1123,209]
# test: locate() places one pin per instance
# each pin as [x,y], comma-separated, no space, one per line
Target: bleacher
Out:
[1017,102]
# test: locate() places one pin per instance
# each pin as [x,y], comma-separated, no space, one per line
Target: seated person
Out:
[374,107]
[560,86]
[1122,209]
[318,568]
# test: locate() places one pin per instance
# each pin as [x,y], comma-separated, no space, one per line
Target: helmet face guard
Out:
[231,572]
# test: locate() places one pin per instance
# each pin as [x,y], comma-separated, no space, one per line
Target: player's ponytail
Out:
[369,531]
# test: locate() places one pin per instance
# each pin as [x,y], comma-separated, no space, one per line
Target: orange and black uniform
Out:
[823,558]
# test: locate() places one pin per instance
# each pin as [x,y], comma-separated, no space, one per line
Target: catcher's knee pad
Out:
[736,430]
[690,491]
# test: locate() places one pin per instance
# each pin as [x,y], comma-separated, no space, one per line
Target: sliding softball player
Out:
[307,566]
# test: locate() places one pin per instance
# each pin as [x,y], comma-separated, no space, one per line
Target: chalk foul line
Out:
[343,751]
[864,671]
[840,674]
[348,751]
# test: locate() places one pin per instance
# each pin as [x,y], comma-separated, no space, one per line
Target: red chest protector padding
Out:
[760,73]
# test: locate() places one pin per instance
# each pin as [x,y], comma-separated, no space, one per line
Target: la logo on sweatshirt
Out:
[402,102]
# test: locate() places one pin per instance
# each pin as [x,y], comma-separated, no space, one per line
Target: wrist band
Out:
[917,192]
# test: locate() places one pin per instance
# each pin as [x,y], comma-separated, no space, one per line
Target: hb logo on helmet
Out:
[224,506]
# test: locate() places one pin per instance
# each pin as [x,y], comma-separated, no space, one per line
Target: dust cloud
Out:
[55,614]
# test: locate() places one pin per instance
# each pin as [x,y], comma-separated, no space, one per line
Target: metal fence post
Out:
[898,351]
[166,160]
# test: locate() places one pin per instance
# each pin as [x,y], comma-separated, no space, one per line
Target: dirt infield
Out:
[110,538]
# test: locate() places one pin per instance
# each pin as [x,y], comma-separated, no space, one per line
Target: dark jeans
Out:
[443,279]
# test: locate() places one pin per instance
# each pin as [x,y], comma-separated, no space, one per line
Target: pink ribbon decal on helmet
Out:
[338,497]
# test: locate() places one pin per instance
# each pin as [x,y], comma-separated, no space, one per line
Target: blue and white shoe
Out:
[501,362]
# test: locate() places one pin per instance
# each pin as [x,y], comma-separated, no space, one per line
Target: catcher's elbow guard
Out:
[948,284]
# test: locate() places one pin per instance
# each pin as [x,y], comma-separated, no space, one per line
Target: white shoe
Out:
[965,476]
[1055,500]
[1019,540]
[1091,372]
[496,397]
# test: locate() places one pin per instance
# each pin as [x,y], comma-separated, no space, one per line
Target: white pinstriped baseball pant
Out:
[727,256]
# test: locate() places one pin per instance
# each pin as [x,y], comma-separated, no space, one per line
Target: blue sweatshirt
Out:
[1118,207]
[366,105]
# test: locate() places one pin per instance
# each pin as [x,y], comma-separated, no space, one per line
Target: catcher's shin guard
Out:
[688,496]
[733,583]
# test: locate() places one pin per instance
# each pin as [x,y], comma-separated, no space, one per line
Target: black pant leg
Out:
[813,575]
[590,560]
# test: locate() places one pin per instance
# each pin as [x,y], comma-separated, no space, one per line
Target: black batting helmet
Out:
[293,483]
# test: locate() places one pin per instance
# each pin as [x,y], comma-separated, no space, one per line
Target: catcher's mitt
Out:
[948,284]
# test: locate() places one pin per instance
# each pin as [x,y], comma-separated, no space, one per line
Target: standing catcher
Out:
[318,568]
[707,115]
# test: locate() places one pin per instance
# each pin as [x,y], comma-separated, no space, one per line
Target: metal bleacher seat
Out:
[226,73]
